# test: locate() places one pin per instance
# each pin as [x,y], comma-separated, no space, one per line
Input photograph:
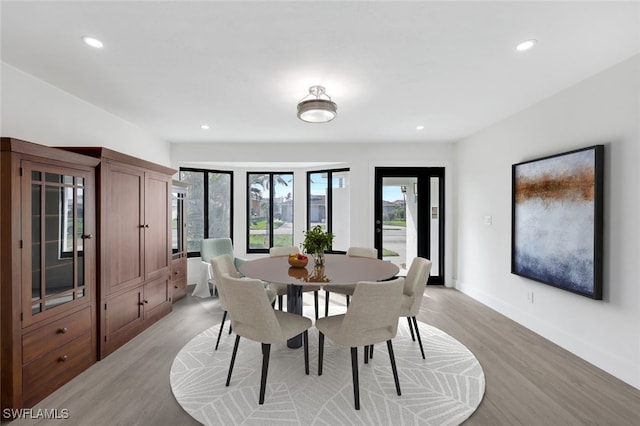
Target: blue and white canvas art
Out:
[557,220]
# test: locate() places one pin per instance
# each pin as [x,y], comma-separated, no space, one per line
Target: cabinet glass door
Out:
[55,261]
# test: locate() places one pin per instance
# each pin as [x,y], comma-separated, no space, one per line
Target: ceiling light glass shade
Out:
[318,109]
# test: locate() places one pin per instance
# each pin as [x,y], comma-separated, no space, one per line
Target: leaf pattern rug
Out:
[444,389]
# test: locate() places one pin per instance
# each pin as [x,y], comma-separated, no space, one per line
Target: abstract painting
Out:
[556,235]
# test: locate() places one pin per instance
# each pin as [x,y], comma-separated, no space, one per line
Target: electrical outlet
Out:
[530,297]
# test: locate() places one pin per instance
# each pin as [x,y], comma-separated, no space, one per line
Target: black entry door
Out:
[409,216]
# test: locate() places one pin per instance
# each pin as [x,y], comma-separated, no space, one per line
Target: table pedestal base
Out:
[294,305]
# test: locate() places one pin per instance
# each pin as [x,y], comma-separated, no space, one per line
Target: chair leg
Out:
[366,354]
[266,350]
[315,302]
[320,352]
[230,328]
[233,359]
[415,325]
[224,316]
[347,300]
[411,329]
[354,371]
[305,343]
[371,351]
[280,302]
[326,303]
[393,366]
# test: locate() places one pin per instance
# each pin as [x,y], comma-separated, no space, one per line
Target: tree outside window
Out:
[209,204]
[269,211]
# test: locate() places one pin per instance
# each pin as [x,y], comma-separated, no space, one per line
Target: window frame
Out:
[271,204]
[205,186]
[329,193]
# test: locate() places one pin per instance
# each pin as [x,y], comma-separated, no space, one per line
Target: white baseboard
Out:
[623,369]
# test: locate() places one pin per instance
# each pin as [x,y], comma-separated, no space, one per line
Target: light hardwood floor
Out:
[530,381]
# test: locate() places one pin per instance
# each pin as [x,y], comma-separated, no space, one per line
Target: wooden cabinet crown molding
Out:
[109,154]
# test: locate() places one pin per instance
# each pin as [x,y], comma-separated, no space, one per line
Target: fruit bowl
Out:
[298,261]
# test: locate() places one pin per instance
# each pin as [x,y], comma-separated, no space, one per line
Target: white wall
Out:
[604,109]
[361,159]
[38,112]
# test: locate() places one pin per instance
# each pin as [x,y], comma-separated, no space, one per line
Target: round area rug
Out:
[444,389]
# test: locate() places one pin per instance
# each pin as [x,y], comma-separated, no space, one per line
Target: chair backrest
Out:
[372,316]
[283,251]
[212,247]
[251,313]
[221,265]
[363,252]
[415,283]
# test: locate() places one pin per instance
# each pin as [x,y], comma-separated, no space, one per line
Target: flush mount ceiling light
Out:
[526,45]
[317,106]
[93,42]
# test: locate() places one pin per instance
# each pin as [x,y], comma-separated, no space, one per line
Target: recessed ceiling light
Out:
[526,45]
[93,42]
[419,127]
[204,127]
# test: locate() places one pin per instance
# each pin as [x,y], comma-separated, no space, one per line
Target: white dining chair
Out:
[414,286]
[347,290]
[253,318]
[221,265]
[371,318]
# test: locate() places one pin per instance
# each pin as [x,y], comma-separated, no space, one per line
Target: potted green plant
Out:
[316,241]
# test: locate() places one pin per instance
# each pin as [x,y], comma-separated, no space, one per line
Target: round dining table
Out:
[338,269]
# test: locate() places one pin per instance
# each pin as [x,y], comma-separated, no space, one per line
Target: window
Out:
[209,206]
[328,199]
[269,211]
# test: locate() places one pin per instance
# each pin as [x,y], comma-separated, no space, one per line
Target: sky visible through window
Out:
[391,193]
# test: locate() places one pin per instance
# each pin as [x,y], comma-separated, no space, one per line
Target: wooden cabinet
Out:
[134,253]
[179,240]
[48,291]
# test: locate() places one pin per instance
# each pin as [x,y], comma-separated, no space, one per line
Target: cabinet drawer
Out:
[179,269]
[179,278]
[55,334]
[53,369]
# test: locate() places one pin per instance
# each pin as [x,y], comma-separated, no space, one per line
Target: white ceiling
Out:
[241,67]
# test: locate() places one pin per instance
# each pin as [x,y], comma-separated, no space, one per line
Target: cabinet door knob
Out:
[145,301]
[87,236]
[63,358]
[63,330]
[140,226]
[175,273]
[146,226]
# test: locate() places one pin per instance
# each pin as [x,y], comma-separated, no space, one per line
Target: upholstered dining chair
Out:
[210,248]
[371,318]
[414,286]
[253,318]
[281,289]
[221,265]
[347,290]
